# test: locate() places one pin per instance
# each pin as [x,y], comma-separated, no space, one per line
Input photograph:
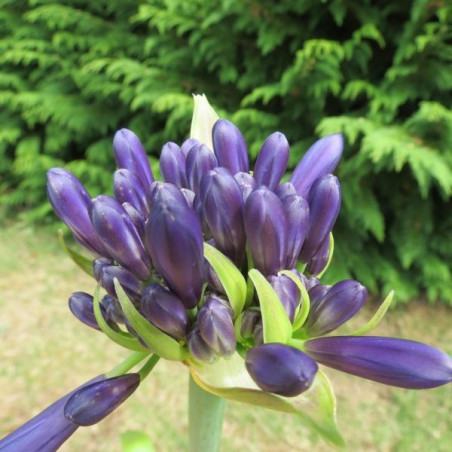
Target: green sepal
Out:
[302,311]
[376,318]
[275,321]
[123,339]
[230,379]
[233,281]
[136,441]
[159,342]
[81,261]
[330,256]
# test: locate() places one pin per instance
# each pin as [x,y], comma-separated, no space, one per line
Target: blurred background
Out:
[73,72]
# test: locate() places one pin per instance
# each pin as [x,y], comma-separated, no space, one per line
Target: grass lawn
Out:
[46,352]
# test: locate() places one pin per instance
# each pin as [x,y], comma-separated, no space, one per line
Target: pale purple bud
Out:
[394,362]
[132,287]
[285,190]
[200,159]
[229,146]
[249,320]
[99,264]
[172,165]
[198,347]
[136,217]
[246,183]
[280,369]
[188,144]
[189,196]
[81,305]
[128,188]
[258,333]
[319,261]
[320,159]
[287,292]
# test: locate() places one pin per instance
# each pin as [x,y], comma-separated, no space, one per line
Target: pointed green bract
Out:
[233,282]
[160,343]
[204,117]
[276,323]
[123,339]
[81,261]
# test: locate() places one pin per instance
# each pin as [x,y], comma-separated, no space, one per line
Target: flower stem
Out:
[127,364]
[206,413]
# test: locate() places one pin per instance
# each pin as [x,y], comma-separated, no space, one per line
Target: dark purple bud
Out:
[81,305]
[113,311]
[394,362]
[92,403]
[165,311]
[99,264]
[136,217]
[188,144]
[216,327]
[132,287]
[271,163]
[198,347]
[246,183]
[249,320]
[128,188]
[71,201]
[46,432]
[266,230]
[324,203]
[339,304]
[287,292]
[320,259]
[222,205]
[200,160]
[280,369]
[119,235]
[175,243]
[172,165]
[189,196]
[320,159]
[229,146]
[130,154]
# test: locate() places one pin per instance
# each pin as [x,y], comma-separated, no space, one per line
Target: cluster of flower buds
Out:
[150,240]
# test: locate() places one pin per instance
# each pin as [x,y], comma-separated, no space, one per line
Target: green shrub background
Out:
[72,72]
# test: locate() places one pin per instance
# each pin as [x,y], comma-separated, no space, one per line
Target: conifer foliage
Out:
[74,71]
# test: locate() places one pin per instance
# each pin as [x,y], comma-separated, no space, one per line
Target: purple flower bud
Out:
[395,362]
[188,144]
[216,327]
[249,320]
[246,183]
[324,203]
[71,201]
[316,292]
[128,188]
[280,369]
[132,287]
[46,432]
[339,304]
[258,333]
[200,159]
[99,264]
[165,311]
[113,311]
[92,403]
[229,146]
[223,211]
[199,348]
[175,243]
[266,230]
[119,235]
[136,217]
[319,261]
[320,159]
[81,305]
[285,190]
[287,292]
[165,192]
[130,154]
[172,165]
[271,163]
[212,278]
[189,196]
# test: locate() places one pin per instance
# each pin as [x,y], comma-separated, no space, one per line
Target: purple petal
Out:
[128,188]
[200,159]
[172,165]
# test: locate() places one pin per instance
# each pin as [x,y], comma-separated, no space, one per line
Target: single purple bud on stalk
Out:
[339,304]
[71,201]
[46,432]
[175,242]
[271,163]
[216,327]
[130,154]
[172,165]
[319,261]
[165,311]
[324,203]
[200,159]
[222,205]
[81,305]
[280,369]
[266,230]
[287,292]
[136,217]
[188,144]
[128,188]
[189,196]
[119,235]
[229,147]
[246,183]
[394,362]
[92,403]
[132,287]
[198,347]
[249,321]
[320,159]
[99,264]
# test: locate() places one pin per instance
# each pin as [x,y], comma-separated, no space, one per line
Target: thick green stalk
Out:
[206,413]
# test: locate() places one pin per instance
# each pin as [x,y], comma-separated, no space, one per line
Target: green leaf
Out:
[81,261]
[159,342]
[233,281]
[136,441]
[276,323]
[123,339]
